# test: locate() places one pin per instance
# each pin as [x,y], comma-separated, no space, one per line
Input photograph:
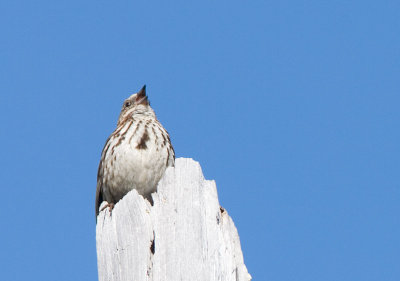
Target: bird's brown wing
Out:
[99,198]
[100,173]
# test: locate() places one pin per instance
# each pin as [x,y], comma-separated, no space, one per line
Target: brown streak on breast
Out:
[121,138]
[166,164]
[170,145]
[134,132]
[143,140]
[155,134]
[164,140]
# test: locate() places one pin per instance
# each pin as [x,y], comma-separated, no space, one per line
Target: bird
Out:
[135,155]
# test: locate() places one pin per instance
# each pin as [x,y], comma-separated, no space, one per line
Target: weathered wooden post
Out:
[185,235]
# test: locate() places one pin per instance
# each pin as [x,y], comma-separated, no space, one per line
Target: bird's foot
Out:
[109,205]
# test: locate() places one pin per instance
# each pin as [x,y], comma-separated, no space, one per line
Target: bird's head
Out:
[136,104]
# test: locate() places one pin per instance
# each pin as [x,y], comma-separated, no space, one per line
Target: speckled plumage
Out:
[135,155]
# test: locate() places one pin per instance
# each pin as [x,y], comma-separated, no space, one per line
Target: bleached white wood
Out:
[191,236]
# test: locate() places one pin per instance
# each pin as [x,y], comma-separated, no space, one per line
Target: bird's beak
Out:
[141,97]
[142,92]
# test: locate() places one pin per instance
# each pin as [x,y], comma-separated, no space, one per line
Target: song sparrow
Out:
[135,155]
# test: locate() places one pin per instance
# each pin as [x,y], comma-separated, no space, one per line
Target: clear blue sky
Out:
[291,106]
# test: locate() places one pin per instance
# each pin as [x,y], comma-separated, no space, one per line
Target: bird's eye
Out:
[127,104]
